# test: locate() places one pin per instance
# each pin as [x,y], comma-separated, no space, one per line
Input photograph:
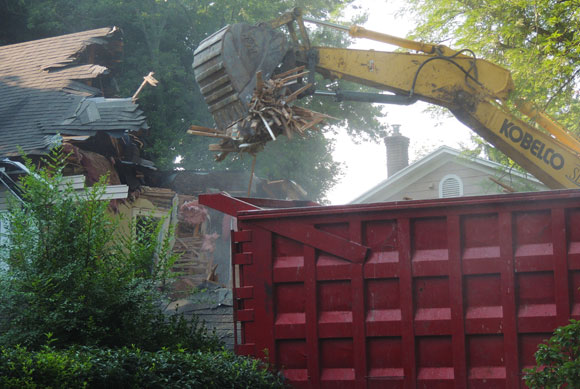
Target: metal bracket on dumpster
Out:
[245,349]
[242,259]
[321,240]
[307,234]
[244,292]
[225,203]
[229,205]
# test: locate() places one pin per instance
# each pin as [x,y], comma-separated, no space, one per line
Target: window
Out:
[450,186]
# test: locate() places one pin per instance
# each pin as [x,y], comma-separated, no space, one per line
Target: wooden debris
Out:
[295,94]
[271,114]
[148,79]
[294,77]
[209,134]
[267,126]
[208,130]
[287,73]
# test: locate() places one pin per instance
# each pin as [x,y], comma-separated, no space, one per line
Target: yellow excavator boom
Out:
[476,91]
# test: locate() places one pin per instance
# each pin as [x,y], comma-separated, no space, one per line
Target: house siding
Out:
[475,182]
[3,200]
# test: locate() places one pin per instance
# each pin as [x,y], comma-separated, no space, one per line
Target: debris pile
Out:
[270,115]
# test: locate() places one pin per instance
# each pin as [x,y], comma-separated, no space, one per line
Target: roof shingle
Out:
[42,93]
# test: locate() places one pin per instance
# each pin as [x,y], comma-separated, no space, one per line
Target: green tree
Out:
[161,36]
[79,305]
[70,274]
[558,360]
[537,41]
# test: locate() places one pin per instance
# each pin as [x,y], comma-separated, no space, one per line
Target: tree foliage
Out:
[131,367]
[558,360]
[69,275]
[538,41]
[161,36]
[80,303]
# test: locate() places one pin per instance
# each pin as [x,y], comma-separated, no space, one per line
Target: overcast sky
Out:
[365,164]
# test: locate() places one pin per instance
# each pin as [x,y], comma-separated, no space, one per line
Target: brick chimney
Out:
[397,151]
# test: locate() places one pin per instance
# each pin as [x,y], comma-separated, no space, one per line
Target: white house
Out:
[445,172]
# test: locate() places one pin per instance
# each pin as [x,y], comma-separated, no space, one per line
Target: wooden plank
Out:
[295,94]
[286,73]
[293,77]
[210,135]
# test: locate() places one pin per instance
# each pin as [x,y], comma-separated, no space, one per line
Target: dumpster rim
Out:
[457,202]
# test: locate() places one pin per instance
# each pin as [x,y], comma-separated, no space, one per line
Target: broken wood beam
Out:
[208,134]
[286,73]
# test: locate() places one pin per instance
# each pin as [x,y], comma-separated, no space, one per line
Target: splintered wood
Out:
[270,115]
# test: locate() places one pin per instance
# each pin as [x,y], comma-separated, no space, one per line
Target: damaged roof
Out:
[48,88]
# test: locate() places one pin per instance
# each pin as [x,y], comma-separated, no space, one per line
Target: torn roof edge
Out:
[100,39]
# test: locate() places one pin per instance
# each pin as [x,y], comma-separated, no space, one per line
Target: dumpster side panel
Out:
[446,297]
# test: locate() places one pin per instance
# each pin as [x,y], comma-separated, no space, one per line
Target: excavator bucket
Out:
[225,66]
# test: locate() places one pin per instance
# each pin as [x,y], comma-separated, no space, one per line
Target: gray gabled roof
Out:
[42,93]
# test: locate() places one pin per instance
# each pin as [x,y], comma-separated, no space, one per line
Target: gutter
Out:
[7,181]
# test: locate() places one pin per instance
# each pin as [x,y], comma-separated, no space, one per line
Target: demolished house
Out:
[53,92]
[56,91]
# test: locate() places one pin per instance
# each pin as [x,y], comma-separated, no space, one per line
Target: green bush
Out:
[85,367]
[81,303]
[558,360]
[69,272]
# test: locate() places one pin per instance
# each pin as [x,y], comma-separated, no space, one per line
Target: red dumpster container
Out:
[450,293]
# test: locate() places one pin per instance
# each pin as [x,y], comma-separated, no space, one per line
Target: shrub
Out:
[88,367]
[558,360]
[80,304]
[71,273]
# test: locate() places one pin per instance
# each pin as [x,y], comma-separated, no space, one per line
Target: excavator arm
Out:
[476,101]
[474,90]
